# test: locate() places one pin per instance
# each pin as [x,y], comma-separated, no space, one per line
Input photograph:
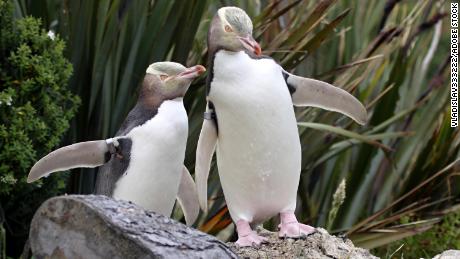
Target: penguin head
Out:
[231,29]
[170,79]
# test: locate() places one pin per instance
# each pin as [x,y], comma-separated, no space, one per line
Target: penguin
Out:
[251,125]
[143,163]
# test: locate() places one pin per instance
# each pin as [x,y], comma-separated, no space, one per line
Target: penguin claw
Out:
[295,230]
[252,240]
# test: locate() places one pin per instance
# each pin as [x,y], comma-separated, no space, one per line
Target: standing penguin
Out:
[143,163]
[250,118]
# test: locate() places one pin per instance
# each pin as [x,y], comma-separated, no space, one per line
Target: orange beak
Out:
[192,72]
[250,44]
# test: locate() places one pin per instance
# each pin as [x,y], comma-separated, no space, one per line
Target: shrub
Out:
[35,109]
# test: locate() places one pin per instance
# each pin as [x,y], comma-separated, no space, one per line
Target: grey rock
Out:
[94,226]
[449,254]
[317,245]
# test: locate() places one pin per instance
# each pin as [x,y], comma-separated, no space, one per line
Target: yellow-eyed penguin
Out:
[143,163]
[250,118]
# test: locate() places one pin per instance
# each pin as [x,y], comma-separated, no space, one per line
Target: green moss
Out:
[35,109]
[443,236]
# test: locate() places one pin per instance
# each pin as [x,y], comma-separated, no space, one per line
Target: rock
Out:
[449,254]
[317,245]
[92,226]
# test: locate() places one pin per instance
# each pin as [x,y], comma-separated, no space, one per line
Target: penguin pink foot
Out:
[246,236]
[290,227]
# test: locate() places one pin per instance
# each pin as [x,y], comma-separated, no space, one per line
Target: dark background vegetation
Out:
[399,173]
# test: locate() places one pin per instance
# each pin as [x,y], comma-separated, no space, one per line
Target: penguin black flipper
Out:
[205,150]
[84,154]
[187,197]
[315,93]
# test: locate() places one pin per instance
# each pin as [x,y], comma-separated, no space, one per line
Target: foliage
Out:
[391,54]
[2,242]
[35,109]
[337,200]
[441,237]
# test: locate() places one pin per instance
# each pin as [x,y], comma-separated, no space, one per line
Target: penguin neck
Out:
[210,65]
[212,52]
[152,98]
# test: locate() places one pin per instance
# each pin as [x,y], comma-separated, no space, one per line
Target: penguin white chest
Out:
[258,150]
[157,155]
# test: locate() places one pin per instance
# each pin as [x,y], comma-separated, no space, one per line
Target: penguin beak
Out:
[192,72]
[250,44]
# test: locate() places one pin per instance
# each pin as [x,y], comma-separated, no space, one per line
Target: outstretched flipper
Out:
[188,198]
[204,152]
[84,154]
[310,92]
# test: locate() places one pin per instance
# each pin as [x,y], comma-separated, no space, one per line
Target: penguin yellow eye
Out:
[163,77]
[228,28]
